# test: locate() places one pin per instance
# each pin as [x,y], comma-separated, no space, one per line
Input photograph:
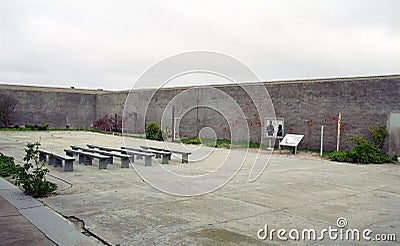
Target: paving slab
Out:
[17,230]
[25,221]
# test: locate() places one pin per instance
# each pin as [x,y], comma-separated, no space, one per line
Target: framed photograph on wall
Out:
[274,127]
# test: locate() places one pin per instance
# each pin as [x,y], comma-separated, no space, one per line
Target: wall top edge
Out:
[101,91]
[51,89]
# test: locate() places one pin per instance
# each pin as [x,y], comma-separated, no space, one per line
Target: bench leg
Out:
[81,158]
[52,160]
[111,160]
[57,162]
[147,161]
[87,160]
[125,162]
[185,158]
[103,163]
[164,159]
[69,165]
[42,157]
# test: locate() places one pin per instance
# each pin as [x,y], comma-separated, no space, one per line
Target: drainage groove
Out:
[80,224]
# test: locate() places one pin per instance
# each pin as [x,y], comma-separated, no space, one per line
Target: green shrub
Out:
[32,175]
[378,134]
[340,156]
[7,166]
[30,127]
[254,145]
[225,145]
[195,140]
[153,131]
[364,151]
[43,127]
[219,143]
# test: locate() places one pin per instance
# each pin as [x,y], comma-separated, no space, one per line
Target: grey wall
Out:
[394,133]
[110,103]
[58,107]
[305,105]
[362,102]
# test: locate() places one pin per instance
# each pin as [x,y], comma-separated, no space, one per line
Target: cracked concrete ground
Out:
[293,193]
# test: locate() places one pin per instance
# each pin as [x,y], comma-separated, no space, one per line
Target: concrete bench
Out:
[124,157]
[185,154]
[43,155]
[166,156]
[139,155]
[87,157]
[75,147]
[89,150]
[71,153]
[94,146]
[104,148]
[57,160]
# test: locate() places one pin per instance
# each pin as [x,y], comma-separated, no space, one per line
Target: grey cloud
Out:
[109,44]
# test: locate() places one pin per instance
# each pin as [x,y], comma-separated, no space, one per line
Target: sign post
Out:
[322,140]
[338,131]
[173,123]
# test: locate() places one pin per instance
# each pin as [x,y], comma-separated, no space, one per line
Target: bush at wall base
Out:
[153,131]
[363,152]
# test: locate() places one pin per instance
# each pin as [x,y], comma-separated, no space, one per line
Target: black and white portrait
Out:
[274,127]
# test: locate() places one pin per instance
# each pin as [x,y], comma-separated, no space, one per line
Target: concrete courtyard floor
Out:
[118,207]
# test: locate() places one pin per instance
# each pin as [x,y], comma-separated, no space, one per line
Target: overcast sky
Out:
[109,44]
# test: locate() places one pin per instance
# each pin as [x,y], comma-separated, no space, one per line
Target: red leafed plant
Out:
[109,124]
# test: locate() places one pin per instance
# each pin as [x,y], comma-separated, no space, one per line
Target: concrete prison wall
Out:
[305,105]
[56,106]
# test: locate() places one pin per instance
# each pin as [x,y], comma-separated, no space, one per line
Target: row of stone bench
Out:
[105,155]
[165,154]
[84,157]
[134,151]
[124,155]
